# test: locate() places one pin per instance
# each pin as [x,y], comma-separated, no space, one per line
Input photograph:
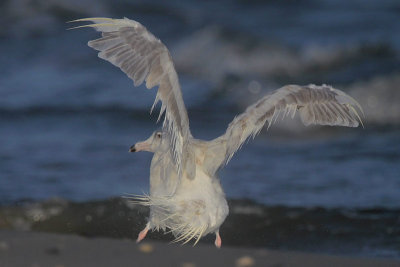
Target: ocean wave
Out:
[243,68]
[225,66]
[216,52]
[380,98]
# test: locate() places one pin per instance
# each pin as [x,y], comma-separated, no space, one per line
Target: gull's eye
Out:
[158,135]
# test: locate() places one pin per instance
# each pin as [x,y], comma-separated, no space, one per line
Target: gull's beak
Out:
[140,146]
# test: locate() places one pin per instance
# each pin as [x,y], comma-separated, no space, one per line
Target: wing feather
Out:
[322,105]
[142,57]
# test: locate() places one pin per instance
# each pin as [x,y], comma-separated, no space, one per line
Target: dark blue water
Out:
[67,118]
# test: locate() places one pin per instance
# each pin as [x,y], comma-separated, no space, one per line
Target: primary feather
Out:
[322,105]
[142,57]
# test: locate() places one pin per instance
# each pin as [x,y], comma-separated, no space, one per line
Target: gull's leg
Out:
[143,233]
[218,241]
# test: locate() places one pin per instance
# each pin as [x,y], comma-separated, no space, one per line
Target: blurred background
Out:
[67,118]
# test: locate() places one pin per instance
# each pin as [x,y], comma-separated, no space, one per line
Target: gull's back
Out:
[190,206]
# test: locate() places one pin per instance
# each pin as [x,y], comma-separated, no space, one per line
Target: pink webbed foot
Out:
[218,240]
[142,234]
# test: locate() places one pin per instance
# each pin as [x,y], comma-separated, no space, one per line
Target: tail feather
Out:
[180,218]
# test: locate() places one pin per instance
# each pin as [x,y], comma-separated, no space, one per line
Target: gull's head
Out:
[152,144]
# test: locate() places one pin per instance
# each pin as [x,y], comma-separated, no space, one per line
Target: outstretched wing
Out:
[139,54]
[321,105]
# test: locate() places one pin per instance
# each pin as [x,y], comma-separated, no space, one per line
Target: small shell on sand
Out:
[245,261]
[146,248]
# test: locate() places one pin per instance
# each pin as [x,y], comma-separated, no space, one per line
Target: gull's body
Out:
[189,207]
[186,197]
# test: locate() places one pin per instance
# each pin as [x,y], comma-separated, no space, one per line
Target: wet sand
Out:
[38,249]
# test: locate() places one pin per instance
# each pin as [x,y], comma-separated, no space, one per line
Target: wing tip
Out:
[111,22]
[94,25]
[90,19]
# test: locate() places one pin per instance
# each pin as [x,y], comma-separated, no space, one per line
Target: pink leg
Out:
[143,234]
[218,241]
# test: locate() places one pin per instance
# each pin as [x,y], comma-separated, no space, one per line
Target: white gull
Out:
[186,197]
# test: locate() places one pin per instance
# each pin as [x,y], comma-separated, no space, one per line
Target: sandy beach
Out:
[43,249]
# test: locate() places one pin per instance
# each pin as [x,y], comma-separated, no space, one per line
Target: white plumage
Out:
[186,197]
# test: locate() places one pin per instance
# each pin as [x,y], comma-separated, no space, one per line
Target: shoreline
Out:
[25,248]
[344,232]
